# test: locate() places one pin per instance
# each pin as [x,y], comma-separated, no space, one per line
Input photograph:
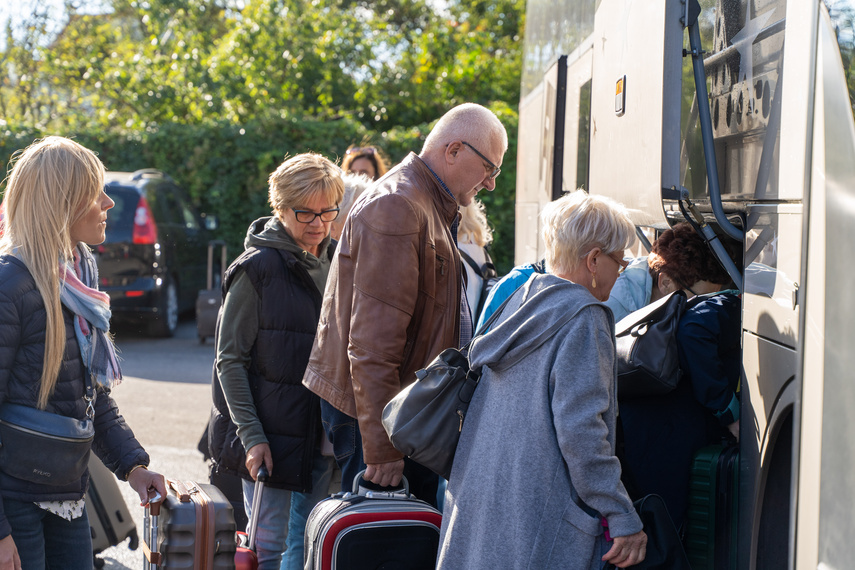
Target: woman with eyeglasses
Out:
[663,433]
[364,160]
[272,304]
[535,476]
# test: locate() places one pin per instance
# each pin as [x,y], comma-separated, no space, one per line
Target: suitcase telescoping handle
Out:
[211,245]
[261,478]
[405,485]
[151,557]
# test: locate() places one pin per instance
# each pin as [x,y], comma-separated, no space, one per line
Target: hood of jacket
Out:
[528,312]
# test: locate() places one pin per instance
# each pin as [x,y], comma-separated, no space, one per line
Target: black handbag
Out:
[664,547]
[646,343]
[425,419]
[41,447]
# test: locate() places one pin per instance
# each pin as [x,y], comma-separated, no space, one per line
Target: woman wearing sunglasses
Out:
[265,334]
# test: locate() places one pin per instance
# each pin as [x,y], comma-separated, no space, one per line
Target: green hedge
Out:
[224,167]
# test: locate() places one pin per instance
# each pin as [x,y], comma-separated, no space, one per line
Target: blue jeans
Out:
[282,520]
[301,505]
[46,541]
[343,432]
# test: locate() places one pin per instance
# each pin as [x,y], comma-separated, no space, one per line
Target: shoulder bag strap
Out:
[472,263]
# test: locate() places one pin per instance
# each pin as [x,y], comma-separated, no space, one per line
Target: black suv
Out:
[154,260]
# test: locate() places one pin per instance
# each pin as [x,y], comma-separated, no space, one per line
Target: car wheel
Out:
[165,321]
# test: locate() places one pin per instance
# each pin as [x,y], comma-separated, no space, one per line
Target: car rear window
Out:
[120,218]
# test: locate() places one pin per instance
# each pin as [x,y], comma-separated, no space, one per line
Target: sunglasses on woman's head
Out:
[360,150]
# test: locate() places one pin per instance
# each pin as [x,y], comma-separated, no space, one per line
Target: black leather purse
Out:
[46,448]
[646,343]
[425,419]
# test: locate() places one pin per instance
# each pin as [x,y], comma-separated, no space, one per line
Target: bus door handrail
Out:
[706,124]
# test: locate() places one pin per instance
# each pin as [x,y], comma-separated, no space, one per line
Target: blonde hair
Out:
[469,122]
[302,178]
[354,186]
[578,222]
[49,186]
[473,224]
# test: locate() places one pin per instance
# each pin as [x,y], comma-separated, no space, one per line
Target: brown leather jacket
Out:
[392,301]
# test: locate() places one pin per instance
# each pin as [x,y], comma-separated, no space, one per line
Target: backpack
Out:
[648,362]
[489,277]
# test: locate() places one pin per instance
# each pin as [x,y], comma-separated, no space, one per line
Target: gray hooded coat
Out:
[538,432]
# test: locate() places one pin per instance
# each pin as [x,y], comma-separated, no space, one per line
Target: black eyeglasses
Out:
[496,169]
[307,217]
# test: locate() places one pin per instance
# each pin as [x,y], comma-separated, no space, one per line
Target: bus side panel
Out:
[531,194]
[767,397]
[773,258]
[826,477]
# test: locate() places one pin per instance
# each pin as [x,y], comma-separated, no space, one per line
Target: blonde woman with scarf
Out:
[56,353]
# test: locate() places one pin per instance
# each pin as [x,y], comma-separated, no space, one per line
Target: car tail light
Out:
[145,231]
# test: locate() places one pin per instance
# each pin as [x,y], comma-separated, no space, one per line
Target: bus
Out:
[737,115]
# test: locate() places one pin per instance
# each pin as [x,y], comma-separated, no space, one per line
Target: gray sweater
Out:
[538,432]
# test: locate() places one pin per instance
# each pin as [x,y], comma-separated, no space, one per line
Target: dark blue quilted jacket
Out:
[22,342]
[289,413]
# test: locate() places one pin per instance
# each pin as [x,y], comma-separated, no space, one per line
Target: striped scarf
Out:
[91,307]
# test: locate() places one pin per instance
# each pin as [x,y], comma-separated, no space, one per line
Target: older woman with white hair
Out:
[535,481]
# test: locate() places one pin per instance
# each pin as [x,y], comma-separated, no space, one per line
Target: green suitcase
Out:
[711,530]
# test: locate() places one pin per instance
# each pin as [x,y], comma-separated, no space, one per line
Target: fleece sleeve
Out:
[583,407]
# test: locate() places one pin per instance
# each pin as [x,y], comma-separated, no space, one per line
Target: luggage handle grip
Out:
[405,484]
[180,489]
[154,504]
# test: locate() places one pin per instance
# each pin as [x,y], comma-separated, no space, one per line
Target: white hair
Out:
[578,222]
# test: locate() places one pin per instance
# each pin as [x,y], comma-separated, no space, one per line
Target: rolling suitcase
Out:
[109,518]
[372,529]
[245,557]
[711,525]
[209,300]
[192,528]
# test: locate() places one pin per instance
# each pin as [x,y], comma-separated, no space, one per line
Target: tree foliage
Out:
[216,92]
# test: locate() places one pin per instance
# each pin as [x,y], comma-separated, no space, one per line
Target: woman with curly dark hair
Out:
[663,433]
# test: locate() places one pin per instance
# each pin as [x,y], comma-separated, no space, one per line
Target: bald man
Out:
[394,299]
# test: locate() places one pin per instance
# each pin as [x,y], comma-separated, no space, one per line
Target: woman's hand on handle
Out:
[146,483]
[9,559]
[627,550]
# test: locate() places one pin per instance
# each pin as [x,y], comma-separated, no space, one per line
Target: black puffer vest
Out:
[22,344]
[289,310]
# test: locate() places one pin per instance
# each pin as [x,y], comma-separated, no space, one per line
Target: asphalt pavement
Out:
[166,399]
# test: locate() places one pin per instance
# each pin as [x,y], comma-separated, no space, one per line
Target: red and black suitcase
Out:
[372,529]
[192,528]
